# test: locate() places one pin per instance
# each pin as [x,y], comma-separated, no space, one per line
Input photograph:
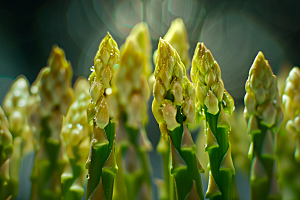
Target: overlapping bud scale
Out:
[171,88]
[206,74]
[106,58]
[262,98]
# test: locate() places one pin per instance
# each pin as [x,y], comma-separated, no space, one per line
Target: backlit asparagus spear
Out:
[133,94]
[101,163]
[214,101]
[76,134]
[55,97]
[264,115]
[174,108]
[14,106]
[177,37]
[6,151]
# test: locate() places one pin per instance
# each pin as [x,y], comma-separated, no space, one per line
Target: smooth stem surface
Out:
[134,181]
[260,191]
[184,177]
[95,168]
[222,178]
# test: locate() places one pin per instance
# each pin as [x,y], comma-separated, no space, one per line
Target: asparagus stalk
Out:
[174,108]
[101,163]
[214,100]
[14,106]
[76,134]
[55,97]
[264,115]
[133,94]
[292,108]
[6,151]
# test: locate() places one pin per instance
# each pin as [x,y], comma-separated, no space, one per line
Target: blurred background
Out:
[234,31]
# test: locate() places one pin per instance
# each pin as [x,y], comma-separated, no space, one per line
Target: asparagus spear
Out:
[292,108]
[6,151]
[101,163]
[288,167]
[133,94]
[264,115]
[174,108]
[214,101]
[76,134]
[14,106]
[177,37]
[55,97]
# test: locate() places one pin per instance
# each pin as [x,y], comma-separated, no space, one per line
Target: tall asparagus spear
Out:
[6,151]
[214,101]
[174,108]
[101,163]
[76,134]
[264,115]
[133,94]
[55,97]
[15,108]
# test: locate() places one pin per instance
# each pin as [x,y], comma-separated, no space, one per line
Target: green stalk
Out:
[264,115]
[214,101]
[173,108]
[101,163]
[76,137]
[6,151]
[164,185]
[55,97]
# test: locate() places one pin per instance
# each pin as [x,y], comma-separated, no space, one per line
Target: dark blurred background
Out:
[234,31]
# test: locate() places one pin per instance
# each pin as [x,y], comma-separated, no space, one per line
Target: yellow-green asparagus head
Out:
[106,58]
[15,107]
[131,82]
[178,39]
[142,34]
[172,90]
[76,129]
[291,106]
[6,147]
[262,97]
[56,92]
[206,75]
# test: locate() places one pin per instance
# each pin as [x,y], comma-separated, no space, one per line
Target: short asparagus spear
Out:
[76,137]
[133,94]
[264,115]
[15,108]
[55,97]
[101,163]
[174,108]
[6,151]
[214,101]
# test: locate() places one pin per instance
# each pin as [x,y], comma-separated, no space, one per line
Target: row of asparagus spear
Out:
[95,131]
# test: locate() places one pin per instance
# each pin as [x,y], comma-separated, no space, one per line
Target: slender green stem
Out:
[97,170]
[223,178]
